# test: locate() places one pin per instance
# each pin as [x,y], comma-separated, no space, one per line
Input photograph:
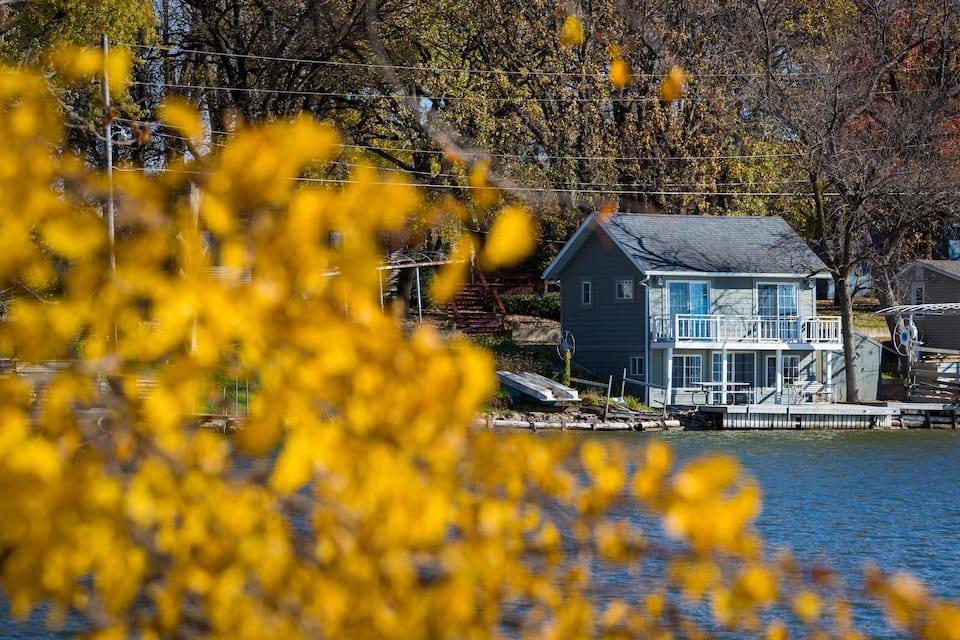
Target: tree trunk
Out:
[846,329]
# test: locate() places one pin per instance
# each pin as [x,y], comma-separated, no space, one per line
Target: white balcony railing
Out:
[763,329]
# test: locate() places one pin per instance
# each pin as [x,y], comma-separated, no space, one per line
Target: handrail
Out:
[753,328]
[489,290]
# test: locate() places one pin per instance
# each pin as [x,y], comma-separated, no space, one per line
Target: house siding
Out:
[732,296]
[937,331]
[609,331]
[812,367]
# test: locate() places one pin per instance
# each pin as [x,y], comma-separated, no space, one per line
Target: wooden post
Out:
[607,406]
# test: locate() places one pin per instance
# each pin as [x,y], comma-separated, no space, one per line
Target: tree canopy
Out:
[360,498]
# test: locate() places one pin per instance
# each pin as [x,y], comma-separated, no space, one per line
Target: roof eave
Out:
[927,264]
[553,270]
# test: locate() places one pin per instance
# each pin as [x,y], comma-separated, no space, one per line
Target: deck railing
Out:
[716,328]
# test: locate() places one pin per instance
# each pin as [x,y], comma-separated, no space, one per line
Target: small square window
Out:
[624,289]
[636,367]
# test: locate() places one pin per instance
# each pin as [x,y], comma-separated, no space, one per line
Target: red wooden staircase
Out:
[477,309]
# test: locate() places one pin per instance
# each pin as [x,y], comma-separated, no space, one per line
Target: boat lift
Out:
[906,338]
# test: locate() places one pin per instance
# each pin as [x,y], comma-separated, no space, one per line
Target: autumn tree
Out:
[357,499]
[34,29]
[863,93]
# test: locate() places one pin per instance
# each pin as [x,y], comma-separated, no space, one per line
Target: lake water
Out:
[849,498]
[891,498]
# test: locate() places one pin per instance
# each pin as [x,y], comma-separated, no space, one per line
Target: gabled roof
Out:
[949,268]
[661,244]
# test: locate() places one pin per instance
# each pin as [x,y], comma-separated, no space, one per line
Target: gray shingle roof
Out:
[948,267]
[713,244]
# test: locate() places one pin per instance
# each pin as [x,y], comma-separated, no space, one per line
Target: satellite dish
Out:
[567,343]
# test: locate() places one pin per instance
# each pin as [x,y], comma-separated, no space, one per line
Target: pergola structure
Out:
[412,260]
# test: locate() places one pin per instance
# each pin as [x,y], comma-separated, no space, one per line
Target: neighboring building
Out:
[697,306]
[867,362]
[933,282]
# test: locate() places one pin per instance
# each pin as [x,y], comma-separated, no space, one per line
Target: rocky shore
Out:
[577,419]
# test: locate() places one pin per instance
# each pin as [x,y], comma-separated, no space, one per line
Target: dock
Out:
[884,415]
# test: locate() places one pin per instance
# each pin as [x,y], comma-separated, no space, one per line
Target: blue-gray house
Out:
[701,308]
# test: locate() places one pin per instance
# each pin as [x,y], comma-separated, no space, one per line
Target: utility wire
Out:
[458,70]
[565,191]
[359,96]
[513,156]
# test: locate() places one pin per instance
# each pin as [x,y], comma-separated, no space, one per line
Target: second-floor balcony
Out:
[681,329]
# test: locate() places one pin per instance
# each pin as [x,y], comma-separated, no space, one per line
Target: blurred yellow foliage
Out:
[672,84]
[619,72]
[572,32]
[356,500]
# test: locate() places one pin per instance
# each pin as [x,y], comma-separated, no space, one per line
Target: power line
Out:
[566,185]
[371,96]
[419,68]
[519,189]
[516,156]
[469,70]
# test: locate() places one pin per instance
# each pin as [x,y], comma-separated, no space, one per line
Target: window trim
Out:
[918,287]
[688,283]
[767,367]
[684,358]
[586,292]
[778,284]
[617,289]
[637,372]
[715,374]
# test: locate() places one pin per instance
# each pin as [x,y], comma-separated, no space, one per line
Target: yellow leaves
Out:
[776,630]
[452,276]
[706,477]
[648,481]
[511,239]
[619,73]
[671,85]
[571,34]
[903,596]
[75,64]
[35,458]
[482,192]
[74,236]
[294,464]
[180,114]
[367,503]
[757,584]
[806,605]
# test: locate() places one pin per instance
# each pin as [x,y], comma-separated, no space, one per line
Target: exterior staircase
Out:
[477,309]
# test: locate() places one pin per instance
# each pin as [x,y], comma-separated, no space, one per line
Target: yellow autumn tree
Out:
[356,500]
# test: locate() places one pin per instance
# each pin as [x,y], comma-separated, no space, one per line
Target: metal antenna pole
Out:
[108,152]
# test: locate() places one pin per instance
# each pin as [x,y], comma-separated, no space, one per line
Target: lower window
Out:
[687,371]
[739,367]
[791,370]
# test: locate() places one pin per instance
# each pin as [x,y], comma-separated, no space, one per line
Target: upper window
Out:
[586,293]
[688,297]
[777,300]
[624,289]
